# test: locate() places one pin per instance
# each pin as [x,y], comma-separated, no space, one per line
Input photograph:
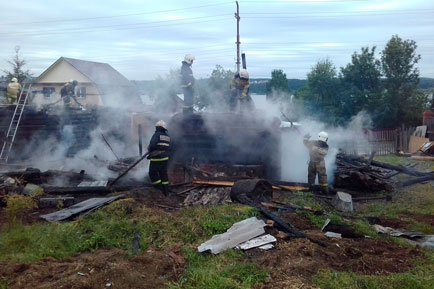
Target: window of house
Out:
[48,91]
[81,92]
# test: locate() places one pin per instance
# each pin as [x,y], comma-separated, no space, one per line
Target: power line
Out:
[125,25]
[103,30]
[120,15]
[337,15]
[337,12]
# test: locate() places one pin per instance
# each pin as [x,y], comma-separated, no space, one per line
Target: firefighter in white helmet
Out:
[158,154]
[240,91]
[317,151]
[12,91]
[187,82]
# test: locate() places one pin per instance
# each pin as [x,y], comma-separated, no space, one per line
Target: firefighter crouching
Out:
[12,91]
[68,92]
[317,151]
[158,149]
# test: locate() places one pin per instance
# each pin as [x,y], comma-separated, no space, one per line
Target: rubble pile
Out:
[358,175]
[212,195]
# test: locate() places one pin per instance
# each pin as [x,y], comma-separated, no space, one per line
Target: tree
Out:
[403,102]
[278,85]
[215,92]
[321,95]
[18,71]
[361,83]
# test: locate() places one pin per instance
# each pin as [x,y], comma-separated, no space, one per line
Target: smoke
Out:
[351,138]
[295,156]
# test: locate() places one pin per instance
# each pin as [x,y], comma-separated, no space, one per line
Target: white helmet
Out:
[162,124]
[323,136]
[14,79]
[189,58]
[244,74]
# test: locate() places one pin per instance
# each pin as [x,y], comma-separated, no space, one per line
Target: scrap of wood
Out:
[292,188]
[189,189]
[416,143]
[422,158]
[213,182]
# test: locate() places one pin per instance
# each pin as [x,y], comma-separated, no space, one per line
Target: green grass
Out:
[4,283]
[114,226]
[226,270]
[421,277]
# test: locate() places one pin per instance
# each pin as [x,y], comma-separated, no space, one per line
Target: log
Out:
[418,180]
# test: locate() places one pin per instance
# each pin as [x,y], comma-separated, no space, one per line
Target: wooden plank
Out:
[422,158]
[416,143]
[213,182]
[292,188]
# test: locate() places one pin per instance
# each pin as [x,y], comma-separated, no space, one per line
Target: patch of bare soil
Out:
[392,223]
[426,218]
[300,259]
[105,268]
[298,221]
[154,198]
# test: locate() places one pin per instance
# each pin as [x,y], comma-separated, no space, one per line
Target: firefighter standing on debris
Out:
[67,92]
[317,151]
[12,91]
[187,82]
[240,91]
[158,154]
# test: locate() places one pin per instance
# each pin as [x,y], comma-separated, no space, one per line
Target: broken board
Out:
[80,208]
[416,143]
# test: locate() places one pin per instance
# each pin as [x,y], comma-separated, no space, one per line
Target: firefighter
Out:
[67,92]
[240,91]
[12,91]
[158,154]
[187,82]
[317,151]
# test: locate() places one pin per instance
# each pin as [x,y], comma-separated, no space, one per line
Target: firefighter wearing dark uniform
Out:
[67,93]
[240,92]
[317,151]
[158,150]
[187,82]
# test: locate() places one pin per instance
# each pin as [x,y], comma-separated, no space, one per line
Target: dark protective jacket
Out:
[186,75]
[317,150]
[159,146]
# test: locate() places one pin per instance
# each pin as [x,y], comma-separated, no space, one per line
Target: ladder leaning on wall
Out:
[15,122]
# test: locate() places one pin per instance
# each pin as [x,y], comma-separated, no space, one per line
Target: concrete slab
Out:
[343,202]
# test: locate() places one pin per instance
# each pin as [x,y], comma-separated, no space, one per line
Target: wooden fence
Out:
[382,142]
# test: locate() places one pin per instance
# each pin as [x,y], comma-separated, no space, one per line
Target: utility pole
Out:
[237,16]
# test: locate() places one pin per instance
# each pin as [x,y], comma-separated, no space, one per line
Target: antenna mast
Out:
[237,16]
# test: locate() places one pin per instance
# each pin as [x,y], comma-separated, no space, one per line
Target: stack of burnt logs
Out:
[365,175]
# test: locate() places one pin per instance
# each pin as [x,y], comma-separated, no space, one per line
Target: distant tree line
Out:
[387,88]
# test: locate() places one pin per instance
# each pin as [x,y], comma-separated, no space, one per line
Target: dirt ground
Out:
[105,268]
[300,259]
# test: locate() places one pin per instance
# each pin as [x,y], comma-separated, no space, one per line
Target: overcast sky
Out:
[144,39]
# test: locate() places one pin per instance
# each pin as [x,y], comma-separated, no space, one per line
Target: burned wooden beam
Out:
[418,180]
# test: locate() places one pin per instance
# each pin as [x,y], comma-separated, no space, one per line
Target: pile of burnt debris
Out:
[354,178]
[364,176]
